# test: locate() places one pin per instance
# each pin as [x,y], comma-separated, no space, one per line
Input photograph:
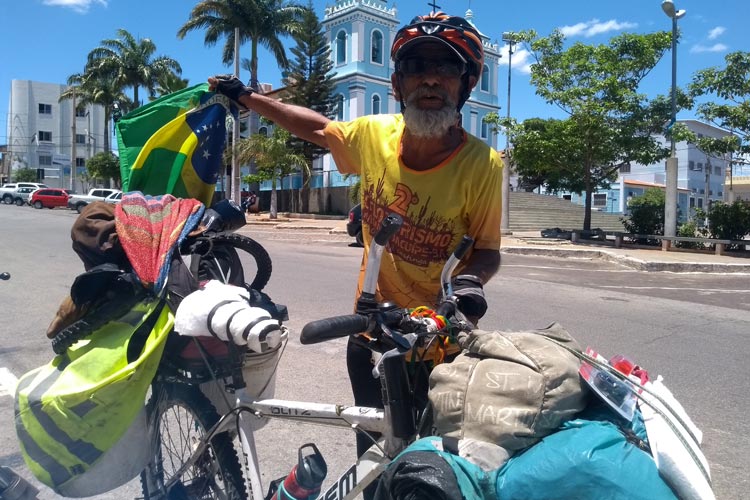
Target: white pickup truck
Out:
[78,201]
[8,191]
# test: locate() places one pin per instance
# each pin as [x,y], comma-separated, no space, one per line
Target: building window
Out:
[81,113]
[717,170]
[485,85]
[701,191]
[600,200]
[700,202]
[341,47]
[721,194]
[691,165]
[568,197]
[45,160]
[376,104]
[45,109]
[263,131]
[44,136]
[80,138]
[483,130]
[377,47]
[692,202]
[625,169]
[699,168]
[340,107]
[80,162]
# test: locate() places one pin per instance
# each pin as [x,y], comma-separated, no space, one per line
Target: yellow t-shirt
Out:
[459,196]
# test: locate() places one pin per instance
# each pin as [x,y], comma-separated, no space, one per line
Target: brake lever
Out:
[401,343]
[410,338]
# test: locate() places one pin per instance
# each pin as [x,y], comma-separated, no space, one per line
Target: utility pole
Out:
[235,181]
[72,149]
[510,39]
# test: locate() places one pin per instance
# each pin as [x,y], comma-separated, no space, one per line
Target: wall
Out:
[328,200]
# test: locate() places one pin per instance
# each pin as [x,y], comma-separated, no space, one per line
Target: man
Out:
[421,164]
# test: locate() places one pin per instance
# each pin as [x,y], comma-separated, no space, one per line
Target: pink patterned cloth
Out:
[149,229]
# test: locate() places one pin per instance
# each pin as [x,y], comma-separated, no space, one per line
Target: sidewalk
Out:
[531,243]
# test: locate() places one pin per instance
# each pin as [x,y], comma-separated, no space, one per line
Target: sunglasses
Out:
[442,67]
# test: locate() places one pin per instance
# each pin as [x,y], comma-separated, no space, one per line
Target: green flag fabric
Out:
[174,145]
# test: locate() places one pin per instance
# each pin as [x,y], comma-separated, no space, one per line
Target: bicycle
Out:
[203,462]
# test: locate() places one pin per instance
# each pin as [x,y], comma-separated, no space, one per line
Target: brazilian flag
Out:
[174,145]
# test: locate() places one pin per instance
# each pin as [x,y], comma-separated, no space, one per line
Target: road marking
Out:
[559,268]
[680,288]
[8,382]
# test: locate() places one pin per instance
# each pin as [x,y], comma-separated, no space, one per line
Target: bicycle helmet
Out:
[454,32]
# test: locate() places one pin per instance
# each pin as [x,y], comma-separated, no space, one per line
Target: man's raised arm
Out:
[302,122]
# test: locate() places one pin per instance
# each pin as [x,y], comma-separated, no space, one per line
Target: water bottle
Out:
[305,479]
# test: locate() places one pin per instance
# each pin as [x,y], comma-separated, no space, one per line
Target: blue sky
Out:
[48,40]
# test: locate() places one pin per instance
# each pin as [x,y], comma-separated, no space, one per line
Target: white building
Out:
[42,133]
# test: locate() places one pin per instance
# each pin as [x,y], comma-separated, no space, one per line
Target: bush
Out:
[689,230]
[729,221]
[646,213]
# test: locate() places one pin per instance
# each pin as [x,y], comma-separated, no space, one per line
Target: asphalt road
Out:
[692,329]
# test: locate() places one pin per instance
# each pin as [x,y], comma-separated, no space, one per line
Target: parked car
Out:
[78,201]
[114,198]
[8,190]
[49,198]
[21,195]
[354,226]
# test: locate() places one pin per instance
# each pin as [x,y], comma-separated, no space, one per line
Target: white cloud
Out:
[81,6]
[595,27]
[716,32]
[717,47]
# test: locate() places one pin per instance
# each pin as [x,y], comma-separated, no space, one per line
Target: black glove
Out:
[232,87]
[468,289]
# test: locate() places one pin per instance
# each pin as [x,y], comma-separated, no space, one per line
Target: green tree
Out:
[273,157]
[169,83]
[132,63]
[609,124]
[261,22]
[96,87]
[731,85]
[25,174]
[104,166]
[309,83]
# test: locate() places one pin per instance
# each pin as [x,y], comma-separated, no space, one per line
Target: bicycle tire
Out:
[248,245]
[217,474]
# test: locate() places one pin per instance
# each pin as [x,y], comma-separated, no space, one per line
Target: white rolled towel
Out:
[222,310]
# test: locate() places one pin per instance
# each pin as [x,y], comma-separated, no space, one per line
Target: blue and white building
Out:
[360,33]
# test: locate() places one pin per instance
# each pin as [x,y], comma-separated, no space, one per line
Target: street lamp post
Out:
[510,39]
[670,205]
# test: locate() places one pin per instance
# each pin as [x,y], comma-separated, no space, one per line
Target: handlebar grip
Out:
[390,225]
[333,328]
[463,247]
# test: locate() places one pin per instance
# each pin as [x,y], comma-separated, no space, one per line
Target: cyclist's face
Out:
[429,66]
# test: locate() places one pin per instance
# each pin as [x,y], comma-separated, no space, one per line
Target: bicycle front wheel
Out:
[181,416]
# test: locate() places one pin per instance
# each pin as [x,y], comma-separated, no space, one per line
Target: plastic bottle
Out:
[305,479]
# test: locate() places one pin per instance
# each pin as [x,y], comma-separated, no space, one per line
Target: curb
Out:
[631,262]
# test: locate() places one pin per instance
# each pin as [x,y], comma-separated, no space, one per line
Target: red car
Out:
[49,197]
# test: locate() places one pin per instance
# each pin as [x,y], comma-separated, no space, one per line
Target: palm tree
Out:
[132,62]
[273,157]
[261,22]
[169,83]
[93,87]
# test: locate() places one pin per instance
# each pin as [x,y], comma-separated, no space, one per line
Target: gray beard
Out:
[429,123]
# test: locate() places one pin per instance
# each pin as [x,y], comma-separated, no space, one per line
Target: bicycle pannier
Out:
[508,388]
[80,419]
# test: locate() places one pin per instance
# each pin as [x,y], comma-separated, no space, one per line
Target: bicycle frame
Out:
[369,466]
